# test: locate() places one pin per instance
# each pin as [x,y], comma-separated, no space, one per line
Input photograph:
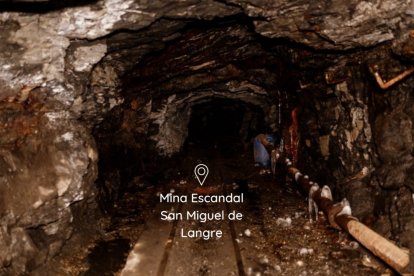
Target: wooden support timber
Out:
[390,253]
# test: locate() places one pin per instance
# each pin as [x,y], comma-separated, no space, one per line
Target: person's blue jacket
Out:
[261,156]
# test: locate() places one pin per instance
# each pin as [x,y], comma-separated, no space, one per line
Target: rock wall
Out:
[339,135]
[393,128]
[48,165]
[363,137]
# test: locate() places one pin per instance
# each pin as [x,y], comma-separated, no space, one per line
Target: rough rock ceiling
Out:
[166,69]
[39,43]
[214,56]
[321,24]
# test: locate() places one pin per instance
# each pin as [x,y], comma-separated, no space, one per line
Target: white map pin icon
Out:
[201,172]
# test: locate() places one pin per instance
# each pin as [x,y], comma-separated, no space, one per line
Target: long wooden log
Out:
[390,253]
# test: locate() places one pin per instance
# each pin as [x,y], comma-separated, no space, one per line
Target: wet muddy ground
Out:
[275,236]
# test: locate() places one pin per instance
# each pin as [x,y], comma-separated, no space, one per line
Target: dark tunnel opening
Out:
[224,124]
[216,128]
[184,99]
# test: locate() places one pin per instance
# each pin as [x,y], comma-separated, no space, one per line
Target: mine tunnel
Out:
[299,113]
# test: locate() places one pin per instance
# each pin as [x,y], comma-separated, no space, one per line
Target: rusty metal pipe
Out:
[385,85]
[386,250]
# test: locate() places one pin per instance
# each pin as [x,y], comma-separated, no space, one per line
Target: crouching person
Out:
[262,146]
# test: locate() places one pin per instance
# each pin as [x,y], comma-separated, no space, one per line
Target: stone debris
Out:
[284,222]
[370,262]
[234,185]
[298,214]
[252,186]
[337,255]
[264,260]
[264,172]
[247,233]
[278,268]
[354,245]
[305,251]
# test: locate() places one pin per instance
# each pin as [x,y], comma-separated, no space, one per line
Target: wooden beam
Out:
[385,249]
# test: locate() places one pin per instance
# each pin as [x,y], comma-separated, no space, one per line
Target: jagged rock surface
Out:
[48,164]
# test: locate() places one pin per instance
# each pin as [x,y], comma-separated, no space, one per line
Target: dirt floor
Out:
[274,237]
